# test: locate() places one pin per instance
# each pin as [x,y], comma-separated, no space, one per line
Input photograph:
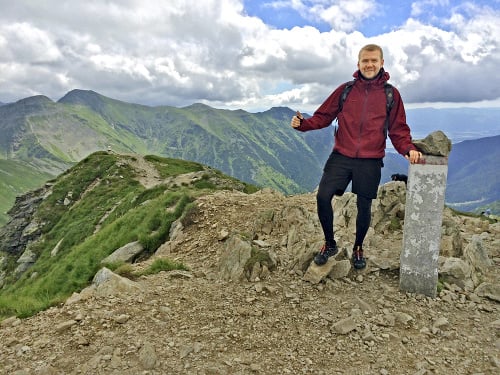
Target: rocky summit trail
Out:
[272,317]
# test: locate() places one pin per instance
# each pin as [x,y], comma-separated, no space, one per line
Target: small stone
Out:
[223,235]
[121,319]
[65,325]
[148,357]
[440,322]
[345,326]
[255,367]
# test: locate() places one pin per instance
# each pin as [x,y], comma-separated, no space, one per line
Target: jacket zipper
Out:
[363,117]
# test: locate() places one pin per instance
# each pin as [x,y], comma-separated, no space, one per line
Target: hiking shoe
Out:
[358,260]
[326,252]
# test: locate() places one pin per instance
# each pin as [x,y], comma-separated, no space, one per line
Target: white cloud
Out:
[178,52]
[24,42]
[341,15]
[344,15]
[122,64]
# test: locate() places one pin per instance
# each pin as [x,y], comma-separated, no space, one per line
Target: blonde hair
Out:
[371,48]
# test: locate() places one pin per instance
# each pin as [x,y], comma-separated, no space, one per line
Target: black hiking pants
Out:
[338,172]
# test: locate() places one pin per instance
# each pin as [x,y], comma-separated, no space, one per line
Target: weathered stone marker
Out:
[423,218]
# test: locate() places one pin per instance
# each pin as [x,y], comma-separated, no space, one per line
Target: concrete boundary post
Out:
[422,226]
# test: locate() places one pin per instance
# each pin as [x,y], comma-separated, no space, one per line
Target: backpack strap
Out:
[389,103]
[347,89]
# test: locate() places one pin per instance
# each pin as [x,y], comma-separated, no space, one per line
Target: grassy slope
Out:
[105,194]
[17,178]
[76,131]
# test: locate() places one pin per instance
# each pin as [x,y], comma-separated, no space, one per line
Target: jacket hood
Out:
[383,75]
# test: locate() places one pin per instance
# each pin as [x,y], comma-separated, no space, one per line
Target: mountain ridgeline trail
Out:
[252,302]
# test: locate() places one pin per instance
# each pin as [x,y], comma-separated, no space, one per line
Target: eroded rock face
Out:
[22,229]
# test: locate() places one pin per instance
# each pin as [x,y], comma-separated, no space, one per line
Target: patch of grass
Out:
[456,212]
[189,214]
[161,221]
[162,264]
[125,270]
[258,256]
[491,219]
[97,175]
[395,224]
[211,180]
[113,266]
[440,286]
[149,194]
[79,260]
[172,167]
[25,306]
[250,189]
[204,184]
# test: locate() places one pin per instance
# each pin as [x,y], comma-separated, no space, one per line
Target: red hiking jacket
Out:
[361,123]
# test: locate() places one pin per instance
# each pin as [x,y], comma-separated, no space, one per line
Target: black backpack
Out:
[389,95]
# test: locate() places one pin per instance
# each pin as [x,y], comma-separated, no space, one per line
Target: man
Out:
[359,148]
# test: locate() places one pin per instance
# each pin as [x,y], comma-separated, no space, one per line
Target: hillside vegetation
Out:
[17,178]
[99,205]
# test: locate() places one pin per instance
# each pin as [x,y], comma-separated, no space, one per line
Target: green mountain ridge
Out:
[258,148]
[239,143]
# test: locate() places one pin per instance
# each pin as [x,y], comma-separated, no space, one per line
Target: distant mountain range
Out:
[41,138]
[458,124]
[474,175]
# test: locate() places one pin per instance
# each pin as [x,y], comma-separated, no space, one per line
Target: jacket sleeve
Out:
[325,114]
[399,131]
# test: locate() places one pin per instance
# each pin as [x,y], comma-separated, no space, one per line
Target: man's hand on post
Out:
[414,156]
[295,123]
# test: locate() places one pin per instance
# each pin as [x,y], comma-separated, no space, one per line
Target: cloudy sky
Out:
[248,54]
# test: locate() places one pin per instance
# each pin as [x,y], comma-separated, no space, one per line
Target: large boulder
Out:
[234,258]
[436,143]
[107,283]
